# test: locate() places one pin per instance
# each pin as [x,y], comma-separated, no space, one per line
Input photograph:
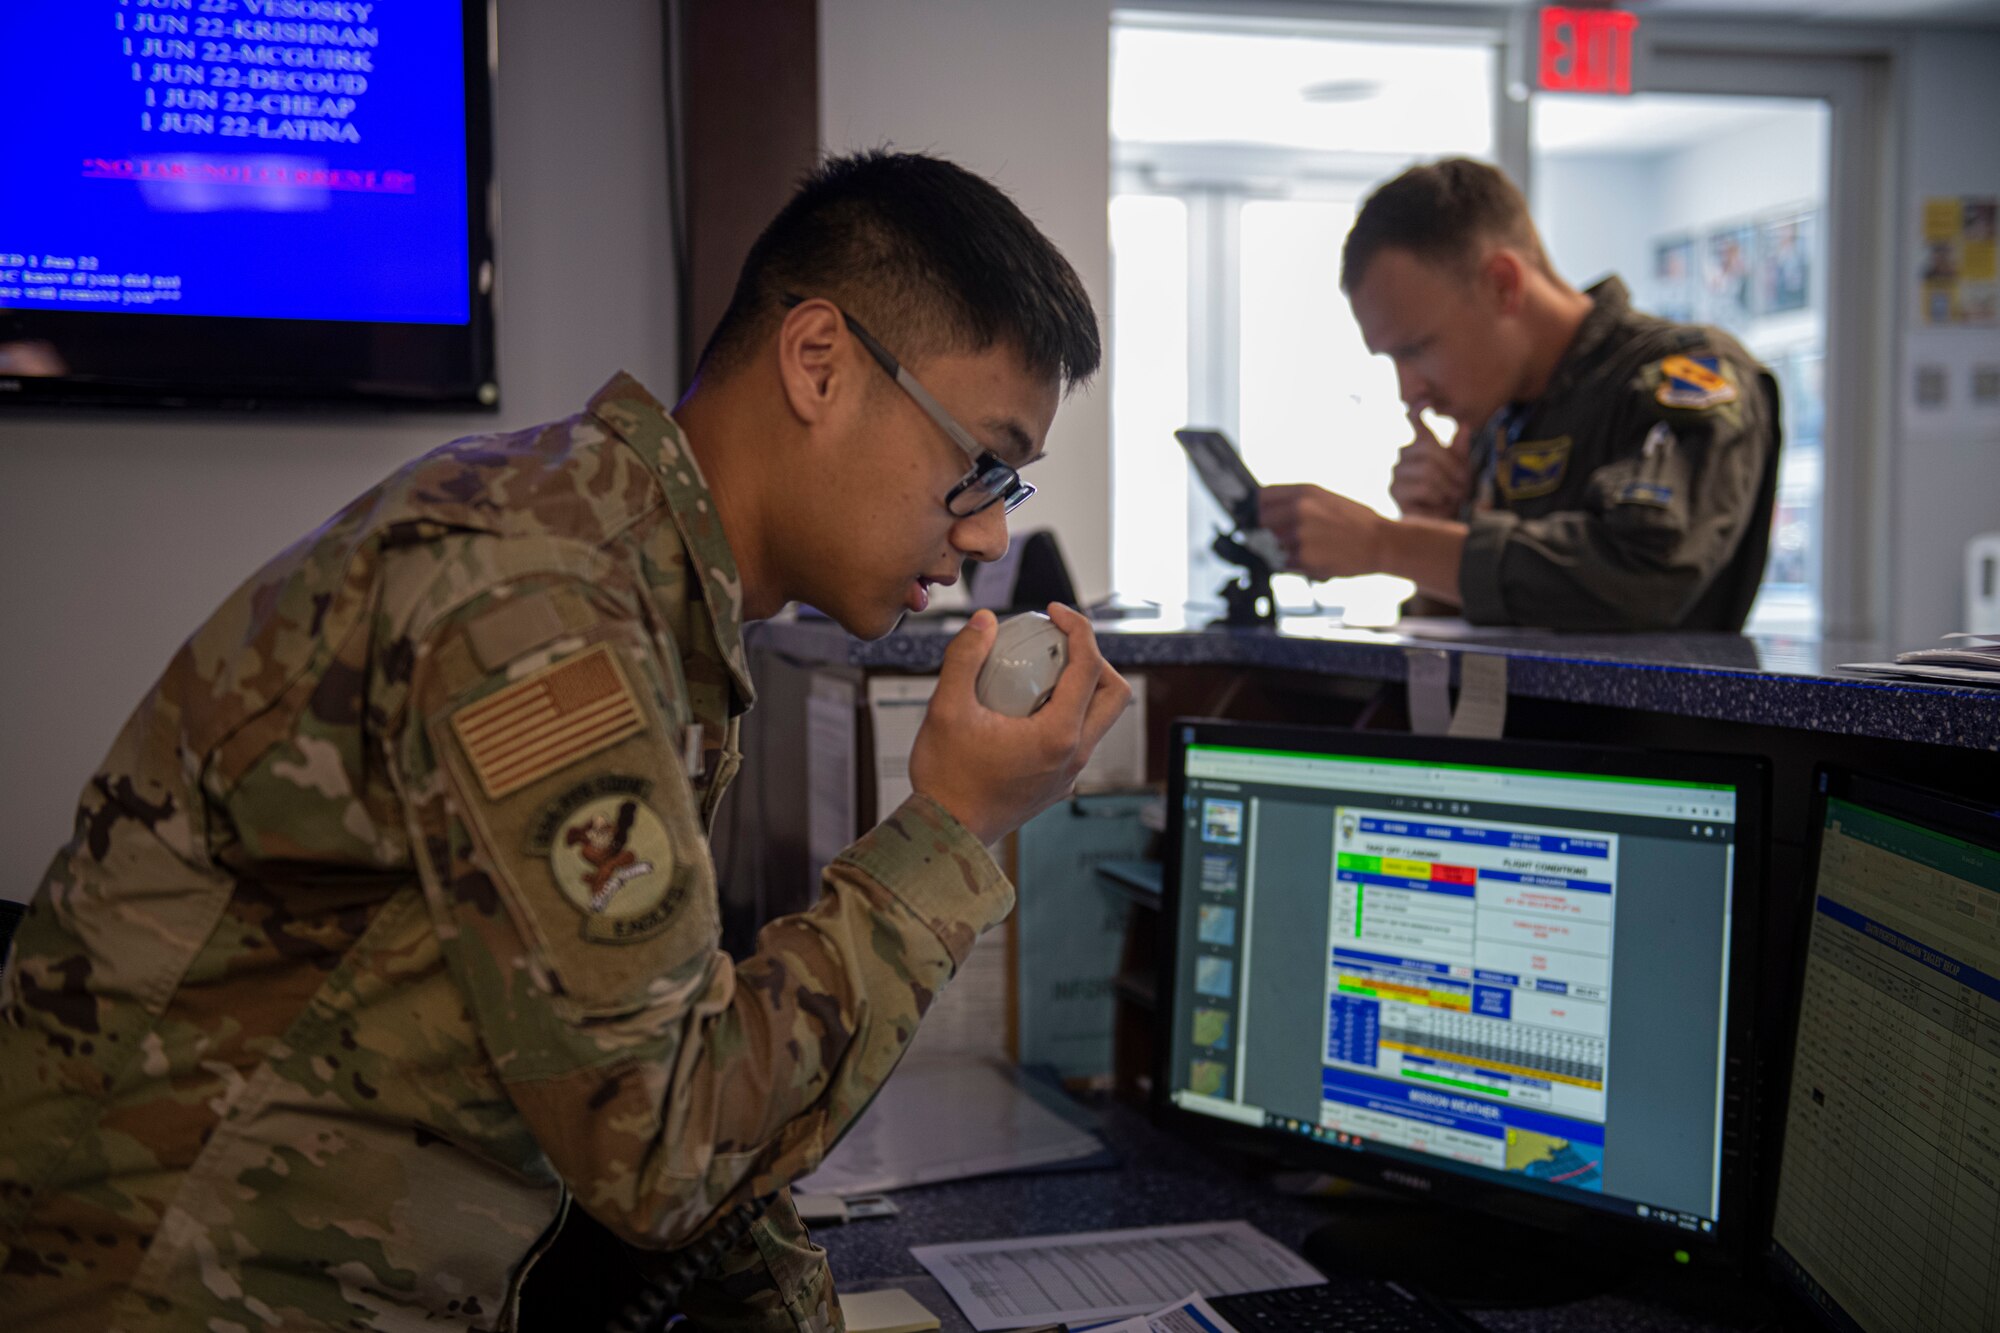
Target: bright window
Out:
[1240,158]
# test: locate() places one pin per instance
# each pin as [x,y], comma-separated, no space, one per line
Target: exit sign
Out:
[1587,50]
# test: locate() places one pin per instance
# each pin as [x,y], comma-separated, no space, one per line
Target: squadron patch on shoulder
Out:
[1693,382]
[545,722]
[1532,468]
[612,858]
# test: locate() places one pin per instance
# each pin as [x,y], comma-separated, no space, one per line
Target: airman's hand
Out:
[1325,535]
[1432,479]
[994,772]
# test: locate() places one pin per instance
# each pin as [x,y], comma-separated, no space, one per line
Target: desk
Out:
[1165,1181]
[1781,698]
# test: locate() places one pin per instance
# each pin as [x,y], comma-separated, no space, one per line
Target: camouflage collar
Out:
[641,420]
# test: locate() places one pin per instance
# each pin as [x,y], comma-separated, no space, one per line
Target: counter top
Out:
[1782,682]
[1165,1181]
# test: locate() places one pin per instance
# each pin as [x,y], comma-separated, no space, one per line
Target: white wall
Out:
[1019,91]
[1601,212]
[1598,214]
[119,533]
[1768,164]
[1946,466]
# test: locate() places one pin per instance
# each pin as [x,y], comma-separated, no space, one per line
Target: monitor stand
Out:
[1463,1258]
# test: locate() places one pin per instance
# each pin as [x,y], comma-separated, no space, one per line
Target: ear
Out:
[811,370]
[1505,279]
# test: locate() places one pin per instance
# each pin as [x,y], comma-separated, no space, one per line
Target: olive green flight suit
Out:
[1636,493]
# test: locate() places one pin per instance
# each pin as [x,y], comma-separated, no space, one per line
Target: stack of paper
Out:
[1972,659]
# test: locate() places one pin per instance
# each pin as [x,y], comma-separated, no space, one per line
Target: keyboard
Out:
[1344,1305]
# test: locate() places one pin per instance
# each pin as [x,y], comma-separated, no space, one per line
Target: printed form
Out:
[1002,1284]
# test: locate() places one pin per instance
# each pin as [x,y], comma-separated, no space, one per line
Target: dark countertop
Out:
[1778,682]
[1164,1181]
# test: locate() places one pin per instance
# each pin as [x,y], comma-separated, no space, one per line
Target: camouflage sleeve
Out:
[775,1281]
[1657,523]
[563,854]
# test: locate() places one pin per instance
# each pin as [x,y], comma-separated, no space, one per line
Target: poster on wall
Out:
[1784,264]
[1726,272]
[1674,289]
[1958,277]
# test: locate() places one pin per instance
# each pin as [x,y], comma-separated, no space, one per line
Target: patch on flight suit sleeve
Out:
[547,721]
[1646,493]
[1532,468]
[1693,382]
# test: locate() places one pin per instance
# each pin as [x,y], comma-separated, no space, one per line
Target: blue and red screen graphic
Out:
[271,159]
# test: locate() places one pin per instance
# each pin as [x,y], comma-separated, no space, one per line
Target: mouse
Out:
[1029,652]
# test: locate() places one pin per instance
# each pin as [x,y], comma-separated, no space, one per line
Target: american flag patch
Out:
[548,721]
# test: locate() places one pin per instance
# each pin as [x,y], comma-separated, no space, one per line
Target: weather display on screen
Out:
[271,159]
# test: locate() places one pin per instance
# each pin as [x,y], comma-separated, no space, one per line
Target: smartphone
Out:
[1229,479]
[1223,471]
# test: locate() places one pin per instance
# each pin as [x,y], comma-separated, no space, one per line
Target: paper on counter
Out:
[891,1310]
[1429,690]
[896,708]
[831,817]
[1947,675]
[1189,1314]
[1004,1284]
[1482,696]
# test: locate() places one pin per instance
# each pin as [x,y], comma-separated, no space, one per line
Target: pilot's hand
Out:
[1431,480]
[1325,535]
[993,772]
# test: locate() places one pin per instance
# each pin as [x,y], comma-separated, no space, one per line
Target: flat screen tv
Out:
[245,202]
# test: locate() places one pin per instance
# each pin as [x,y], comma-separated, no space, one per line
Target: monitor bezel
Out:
[1950,813]
[1732,1240]
[233,363]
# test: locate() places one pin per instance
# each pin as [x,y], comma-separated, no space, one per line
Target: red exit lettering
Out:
[1587,50]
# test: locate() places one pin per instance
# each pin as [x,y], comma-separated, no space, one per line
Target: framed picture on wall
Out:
[1675,291]
[1726,262]
[1784,264]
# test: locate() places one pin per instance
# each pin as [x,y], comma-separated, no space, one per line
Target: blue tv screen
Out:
[246,201]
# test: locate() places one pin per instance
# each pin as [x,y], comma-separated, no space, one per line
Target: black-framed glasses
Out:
[990,479]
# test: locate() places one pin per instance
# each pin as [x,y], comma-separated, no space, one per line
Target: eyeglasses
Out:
[990,479]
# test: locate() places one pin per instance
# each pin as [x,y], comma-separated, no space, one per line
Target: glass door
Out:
[1240,154]
[1713,208]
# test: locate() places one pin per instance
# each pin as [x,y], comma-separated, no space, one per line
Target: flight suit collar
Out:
[1610,304]
[1610,308]
[641,420]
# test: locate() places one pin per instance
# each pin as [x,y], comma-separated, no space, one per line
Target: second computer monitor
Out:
[1494,971]
[1888,1202]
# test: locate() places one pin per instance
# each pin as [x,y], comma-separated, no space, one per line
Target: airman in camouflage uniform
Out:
[389,932]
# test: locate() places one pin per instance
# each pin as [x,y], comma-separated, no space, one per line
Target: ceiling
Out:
[1651,122]
[1898,13]
[1907,13]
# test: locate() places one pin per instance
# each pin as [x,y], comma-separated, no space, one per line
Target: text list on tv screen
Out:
[270,159]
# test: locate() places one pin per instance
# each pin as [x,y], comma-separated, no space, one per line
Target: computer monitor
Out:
[1498,973]
[1888,1200]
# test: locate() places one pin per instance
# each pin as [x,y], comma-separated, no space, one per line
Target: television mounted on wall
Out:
[247,203]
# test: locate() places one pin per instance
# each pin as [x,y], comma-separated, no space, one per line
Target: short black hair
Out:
[1442,212]
[928,256]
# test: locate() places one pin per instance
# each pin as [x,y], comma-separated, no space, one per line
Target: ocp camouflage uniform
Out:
[1636,492]
[389,928]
